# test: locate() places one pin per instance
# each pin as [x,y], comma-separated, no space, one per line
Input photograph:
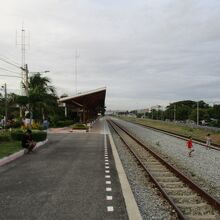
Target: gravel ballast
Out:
[149,200]
[203,166]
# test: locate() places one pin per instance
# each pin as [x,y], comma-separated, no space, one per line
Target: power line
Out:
[10,76]
[9,59]
[2,68]
[9,62]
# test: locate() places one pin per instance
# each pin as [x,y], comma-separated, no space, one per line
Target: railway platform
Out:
[74,176]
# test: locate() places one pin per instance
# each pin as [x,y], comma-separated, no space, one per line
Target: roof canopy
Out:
[92,100]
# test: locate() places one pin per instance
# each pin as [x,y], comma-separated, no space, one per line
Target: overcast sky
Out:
[146,52]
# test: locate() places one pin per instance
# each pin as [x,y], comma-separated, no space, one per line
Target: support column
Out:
[65,109]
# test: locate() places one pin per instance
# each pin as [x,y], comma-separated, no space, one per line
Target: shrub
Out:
[14,124]
[37,135]
[37,126]
[5,136]
[63,123]
[79,126]
[17,135]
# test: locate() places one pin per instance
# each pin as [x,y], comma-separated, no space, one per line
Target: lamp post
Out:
[46,71]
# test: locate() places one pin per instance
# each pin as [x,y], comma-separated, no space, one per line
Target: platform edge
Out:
[130,202]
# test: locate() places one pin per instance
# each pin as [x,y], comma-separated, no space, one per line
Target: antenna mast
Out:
[23,45]
[76,57]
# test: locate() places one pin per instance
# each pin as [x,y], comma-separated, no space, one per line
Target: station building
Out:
[85,106]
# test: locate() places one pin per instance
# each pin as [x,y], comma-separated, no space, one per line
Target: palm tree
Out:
[42,96]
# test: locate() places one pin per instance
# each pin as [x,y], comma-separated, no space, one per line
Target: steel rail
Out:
[210,200]
[178,211]
[182,137]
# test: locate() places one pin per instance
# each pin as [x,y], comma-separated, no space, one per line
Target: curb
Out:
[19,154]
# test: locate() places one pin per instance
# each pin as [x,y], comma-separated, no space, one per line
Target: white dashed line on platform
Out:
[108,189]
[110,208]
[109,197]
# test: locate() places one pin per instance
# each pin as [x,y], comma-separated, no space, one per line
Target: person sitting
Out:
[28,142]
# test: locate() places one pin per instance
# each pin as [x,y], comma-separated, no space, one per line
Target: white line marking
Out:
[107,171]
[109,197]
[107,182]
[105,139]
[110,208]
[107,163]
[107,176]
[131,205]
[106,160]
[108,189]
[106,167]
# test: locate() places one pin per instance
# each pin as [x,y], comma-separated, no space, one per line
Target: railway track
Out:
[186,197]
[182,137]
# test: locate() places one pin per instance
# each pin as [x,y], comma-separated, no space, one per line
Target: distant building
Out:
[143,111]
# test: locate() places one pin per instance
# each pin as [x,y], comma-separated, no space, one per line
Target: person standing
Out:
[45,124]
[208,141]
[189,145]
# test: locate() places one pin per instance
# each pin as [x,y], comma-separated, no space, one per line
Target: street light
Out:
[46,71]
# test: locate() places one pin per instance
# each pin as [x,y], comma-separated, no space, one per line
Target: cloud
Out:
[146,52]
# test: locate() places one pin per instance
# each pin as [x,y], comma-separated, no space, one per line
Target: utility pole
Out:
[197,112]
[26,82]
[174,113]
[6,104]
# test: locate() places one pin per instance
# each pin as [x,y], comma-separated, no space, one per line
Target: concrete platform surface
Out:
[72,177]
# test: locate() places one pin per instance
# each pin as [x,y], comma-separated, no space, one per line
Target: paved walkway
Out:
[69,178]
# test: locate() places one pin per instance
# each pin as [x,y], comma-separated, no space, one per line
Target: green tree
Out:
[42,97]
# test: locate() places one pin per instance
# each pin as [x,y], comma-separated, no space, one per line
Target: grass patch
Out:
[10,147]
[177,128]
[79,126]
